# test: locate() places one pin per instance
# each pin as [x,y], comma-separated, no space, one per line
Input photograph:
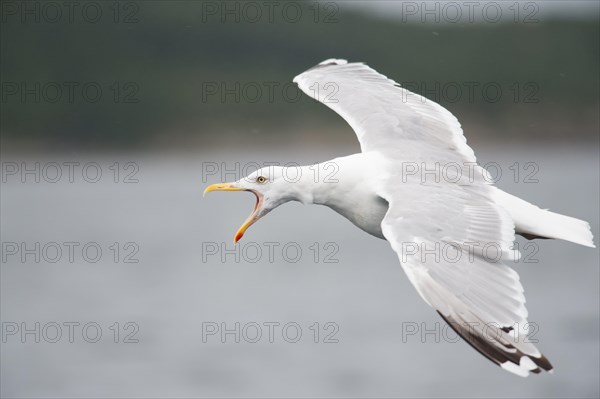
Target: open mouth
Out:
[254,216]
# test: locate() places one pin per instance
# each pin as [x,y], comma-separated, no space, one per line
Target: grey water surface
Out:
[298,266]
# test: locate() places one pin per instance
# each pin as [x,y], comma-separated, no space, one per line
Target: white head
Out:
[270,185]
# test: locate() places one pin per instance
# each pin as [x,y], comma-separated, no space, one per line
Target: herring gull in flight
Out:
[417,185]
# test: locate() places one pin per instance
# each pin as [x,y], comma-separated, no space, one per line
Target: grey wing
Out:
[383,115]
[453,247]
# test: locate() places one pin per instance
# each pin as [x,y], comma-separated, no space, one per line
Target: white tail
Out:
[529,219]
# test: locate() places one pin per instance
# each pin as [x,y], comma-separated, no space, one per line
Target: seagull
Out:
[416,183]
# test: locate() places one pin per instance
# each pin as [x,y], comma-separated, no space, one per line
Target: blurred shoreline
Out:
[542,134]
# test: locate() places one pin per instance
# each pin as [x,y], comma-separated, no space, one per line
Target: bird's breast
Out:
[364,210]
[353,193]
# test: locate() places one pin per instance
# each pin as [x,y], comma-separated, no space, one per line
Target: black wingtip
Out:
[493,350]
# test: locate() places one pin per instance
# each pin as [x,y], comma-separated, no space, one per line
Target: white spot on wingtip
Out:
[527,363]
[515,369]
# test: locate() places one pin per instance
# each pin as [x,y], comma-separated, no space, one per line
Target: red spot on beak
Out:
[238,236]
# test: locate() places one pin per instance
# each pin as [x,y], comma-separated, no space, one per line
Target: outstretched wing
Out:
[383,114]
[453,247]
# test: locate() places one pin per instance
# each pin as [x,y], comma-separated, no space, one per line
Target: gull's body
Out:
[416,184]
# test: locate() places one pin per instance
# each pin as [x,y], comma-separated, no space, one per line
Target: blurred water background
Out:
[162,126]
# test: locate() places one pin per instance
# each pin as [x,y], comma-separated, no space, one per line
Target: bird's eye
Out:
[261,179]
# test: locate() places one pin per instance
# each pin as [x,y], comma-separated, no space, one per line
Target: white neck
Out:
[308,185]
[326,182]
[346,185]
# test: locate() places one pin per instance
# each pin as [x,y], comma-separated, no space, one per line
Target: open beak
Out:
[254,216]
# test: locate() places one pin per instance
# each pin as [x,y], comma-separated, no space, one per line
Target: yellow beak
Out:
[253,216]
[221,187]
